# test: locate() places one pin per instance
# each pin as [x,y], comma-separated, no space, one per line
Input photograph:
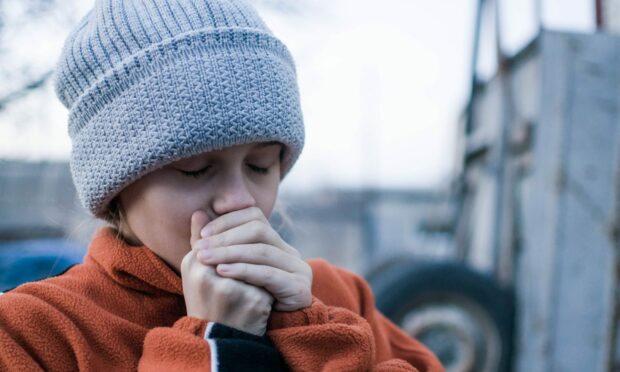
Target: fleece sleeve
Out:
[14,357]
[192,344]
[37,336]
[29,340]
[394,349]
[345,332]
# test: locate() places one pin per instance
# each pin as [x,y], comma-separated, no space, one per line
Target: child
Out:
[184,117]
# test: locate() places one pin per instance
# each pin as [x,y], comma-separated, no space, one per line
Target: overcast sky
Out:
[382,83]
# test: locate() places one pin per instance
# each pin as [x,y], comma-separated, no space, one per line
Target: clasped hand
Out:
[239,268]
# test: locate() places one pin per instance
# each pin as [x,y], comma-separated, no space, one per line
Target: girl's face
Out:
[157,208]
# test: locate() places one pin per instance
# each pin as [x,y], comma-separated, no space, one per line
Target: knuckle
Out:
[255,225]
[256,213]
[223,254]
[257,298]
[199,244]
[307,273]
[268,276]
[263,303]
[294,251]
[269,234]
[258,229]
[263,251]
[216,240]
[303,295]
[225,287]
[202,274]
[300,282]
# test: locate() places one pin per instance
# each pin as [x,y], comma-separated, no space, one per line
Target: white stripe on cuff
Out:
[212,346]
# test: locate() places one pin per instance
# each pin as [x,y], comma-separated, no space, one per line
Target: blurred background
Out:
[462,155]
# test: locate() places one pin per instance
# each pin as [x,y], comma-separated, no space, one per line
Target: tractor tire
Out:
[463,316]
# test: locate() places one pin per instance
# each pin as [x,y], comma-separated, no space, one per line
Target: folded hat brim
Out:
[192,103]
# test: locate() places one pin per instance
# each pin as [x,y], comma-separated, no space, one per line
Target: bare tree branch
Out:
[23,91]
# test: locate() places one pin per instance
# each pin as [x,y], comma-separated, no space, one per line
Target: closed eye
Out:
[257,169]
[195,174]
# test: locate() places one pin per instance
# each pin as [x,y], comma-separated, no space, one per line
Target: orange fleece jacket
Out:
[123,309]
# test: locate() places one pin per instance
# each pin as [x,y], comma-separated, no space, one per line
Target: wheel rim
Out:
[458,331]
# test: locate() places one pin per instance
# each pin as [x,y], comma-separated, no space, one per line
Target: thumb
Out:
[199,220]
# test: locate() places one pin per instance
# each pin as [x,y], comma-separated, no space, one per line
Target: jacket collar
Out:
[130,266]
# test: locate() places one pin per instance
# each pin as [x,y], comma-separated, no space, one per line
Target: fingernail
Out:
[205,254]
[224,268]
[206,232]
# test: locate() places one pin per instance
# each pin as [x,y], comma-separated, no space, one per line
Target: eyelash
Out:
[195,174]
[258,170]
[202,171]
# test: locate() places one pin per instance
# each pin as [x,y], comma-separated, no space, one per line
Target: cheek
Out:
[266,196]
[160,218]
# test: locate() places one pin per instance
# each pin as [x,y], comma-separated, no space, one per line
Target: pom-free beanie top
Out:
[148,82]
[123,309]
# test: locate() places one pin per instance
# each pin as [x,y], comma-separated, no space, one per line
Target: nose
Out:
[232,194]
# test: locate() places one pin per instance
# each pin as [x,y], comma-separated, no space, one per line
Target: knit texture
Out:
[149,82]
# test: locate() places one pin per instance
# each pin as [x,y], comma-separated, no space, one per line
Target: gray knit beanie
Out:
[148,82]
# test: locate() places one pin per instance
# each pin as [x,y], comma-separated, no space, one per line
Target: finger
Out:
[198,221]
[232,219]
[260,254]
[284,286]
[252,232]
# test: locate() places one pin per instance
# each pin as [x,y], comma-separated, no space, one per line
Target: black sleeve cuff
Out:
[235,350]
